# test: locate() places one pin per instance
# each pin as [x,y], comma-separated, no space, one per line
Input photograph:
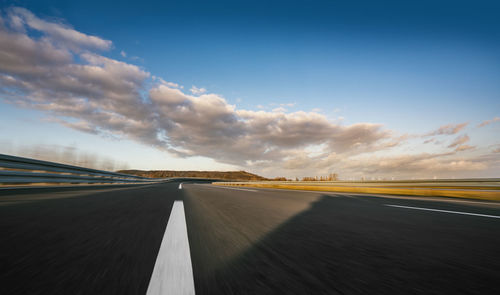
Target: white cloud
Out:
[464,147]
[449,129]
[487,122]
[123,53]
[414,165]
[459,141]
[169,84]
[20,17]
[279,110]
[197,91]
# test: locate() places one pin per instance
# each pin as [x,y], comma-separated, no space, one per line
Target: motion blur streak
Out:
[245,242]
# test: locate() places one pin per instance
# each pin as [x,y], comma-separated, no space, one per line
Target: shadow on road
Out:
[343,246]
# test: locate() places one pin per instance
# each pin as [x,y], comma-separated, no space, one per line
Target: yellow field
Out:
[470,190]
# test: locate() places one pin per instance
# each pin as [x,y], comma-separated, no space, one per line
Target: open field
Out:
[483,189]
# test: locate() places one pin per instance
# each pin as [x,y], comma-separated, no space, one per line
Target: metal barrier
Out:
[19,170]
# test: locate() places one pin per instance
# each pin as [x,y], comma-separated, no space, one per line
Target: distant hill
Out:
[228,175]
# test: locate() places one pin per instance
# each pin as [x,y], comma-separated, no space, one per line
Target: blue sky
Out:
[402,69]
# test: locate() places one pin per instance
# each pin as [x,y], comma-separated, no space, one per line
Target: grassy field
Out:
[483,189]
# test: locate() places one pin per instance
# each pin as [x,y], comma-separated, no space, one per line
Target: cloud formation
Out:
[207,125]
[418,165]
[20,18]
[464,147]
[449,129]
[197,91]
[459,141]
[487,122]
[102,95]
[63,72]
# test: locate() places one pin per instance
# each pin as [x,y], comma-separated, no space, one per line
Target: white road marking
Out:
[173,273]
[180,185]
[423,198]
[238,189]
[444,211]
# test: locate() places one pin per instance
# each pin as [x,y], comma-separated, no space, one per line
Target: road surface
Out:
[130,240]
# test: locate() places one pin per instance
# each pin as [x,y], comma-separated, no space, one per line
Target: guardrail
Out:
[19,170]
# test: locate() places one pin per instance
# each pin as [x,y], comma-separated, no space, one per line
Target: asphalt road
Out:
[106,240]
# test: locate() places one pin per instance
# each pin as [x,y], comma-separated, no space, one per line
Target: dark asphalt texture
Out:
[105,240]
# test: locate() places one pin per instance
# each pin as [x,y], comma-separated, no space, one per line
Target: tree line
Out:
[329,177]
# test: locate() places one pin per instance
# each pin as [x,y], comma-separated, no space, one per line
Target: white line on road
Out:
[238,189]
[444,211]
[180,185]
[440,199]
[173,273]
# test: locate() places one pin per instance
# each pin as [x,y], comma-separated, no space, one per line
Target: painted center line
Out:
[444,211]
[173,273]
[180,185]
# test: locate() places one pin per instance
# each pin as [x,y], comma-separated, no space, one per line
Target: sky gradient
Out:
[295,88]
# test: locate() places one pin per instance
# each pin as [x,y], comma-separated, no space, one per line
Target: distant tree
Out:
[280,179]
[333,177]
[307,178]
[330,177]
